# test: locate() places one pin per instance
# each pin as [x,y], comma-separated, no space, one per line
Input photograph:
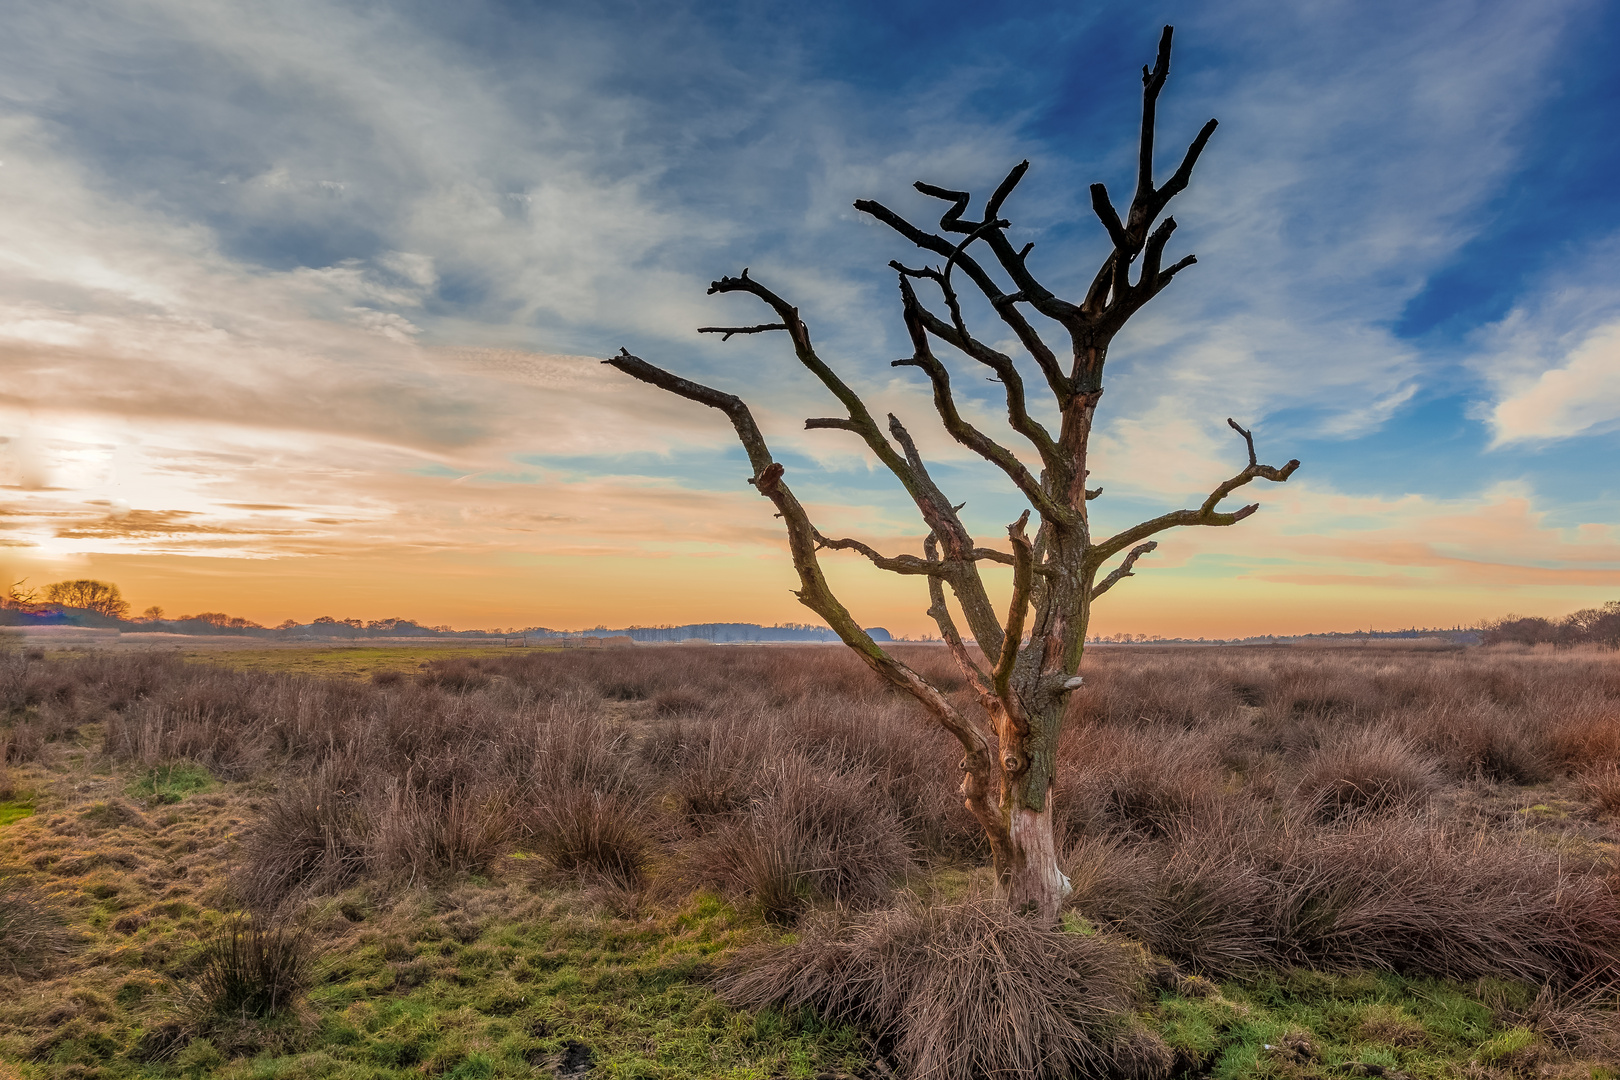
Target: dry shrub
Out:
[1202,903]
[960,992]
[24,743]
[1600,787]
[1398,896]
[210,717]
[1140,780]
[458,674]
[811,833]
[1369,771]
[711,765]
[1585,731]
[679,701]
[253,972]
[312,835]
[1480,741]
[33,932]
[590,816]
[586,833]
[425,831]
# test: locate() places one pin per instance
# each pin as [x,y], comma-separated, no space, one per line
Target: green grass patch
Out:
[14,811]
[168,784]
[340,661]
[1305,1023]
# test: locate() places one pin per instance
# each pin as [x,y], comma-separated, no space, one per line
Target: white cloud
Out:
[1580,395]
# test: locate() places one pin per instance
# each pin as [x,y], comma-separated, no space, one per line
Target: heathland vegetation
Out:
[699,861]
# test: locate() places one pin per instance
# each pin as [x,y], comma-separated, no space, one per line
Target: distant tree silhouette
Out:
[1589,626]
[102,597]
[18,597]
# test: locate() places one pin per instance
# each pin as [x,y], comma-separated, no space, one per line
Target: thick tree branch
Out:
[911,564]
[941,614]
[1023,580]
[1206,514]
[937,511]
[729,331]
[945,404]
[814,592]
[1124,568]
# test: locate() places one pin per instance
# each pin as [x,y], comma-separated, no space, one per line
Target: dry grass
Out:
[1401,896]
[1447,813]
[1370,771]
[811,832]
[961,991]
[33,934]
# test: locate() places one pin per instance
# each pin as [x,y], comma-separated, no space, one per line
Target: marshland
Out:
[695,861]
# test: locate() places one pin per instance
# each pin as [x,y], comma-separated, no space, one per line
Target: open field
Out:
[750,862]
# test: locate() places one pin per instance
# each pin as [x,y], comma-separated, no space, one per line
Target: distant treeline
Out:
[732,631]
[99,605]
[1589,626]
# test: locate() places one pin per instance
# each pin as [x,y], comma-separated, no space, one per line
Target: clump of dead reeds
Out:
[253,972]
[811,832]
[1368,771]
[1144,780]
[313,834]
[1405,896]
[1600,785]
[961,991]
[33,932]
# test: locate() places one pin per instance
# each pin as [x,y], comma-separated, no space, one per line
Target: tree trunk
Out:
[1033,883]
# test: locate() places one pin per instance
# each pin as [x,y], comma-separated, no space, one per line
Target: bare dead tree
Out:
[1024,682]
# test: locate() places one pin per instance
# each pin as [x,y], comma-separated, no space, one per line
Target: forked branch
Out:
[1123,570]
[1206,514]
[814,592]
[911,564]
[936,510]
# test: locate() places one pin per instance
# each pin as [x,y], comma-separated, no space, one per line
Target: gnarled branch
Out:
[1206,514]
[941,614]
[911,564]
[1124,569]
[728,332]
[1023,580]
[955,333]
[814,592]
[937,512]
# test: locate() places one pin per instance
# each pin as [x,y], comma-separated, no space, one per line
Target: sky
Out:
[301,304]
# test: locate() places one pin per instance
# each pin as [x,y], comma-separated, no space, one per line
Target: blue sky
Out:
[301,301]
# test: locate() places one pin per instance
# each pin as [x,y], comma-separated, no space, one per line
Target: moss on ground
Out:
[168,784]
[14,811]
[1307,1024]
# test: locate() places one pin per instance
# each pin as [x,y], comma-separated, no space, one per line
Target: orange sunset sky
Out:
[301,306]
